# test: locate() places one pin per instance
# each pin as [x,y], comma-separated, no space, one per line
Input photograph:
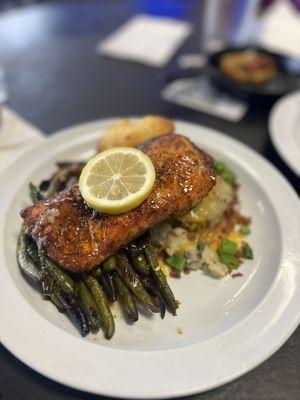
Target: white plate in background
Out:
[284,127]
[229,326]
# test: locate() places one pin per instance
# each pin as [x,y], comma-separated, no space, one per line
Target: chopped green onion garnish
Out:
[200,246]
[227,174]
[247,252]
[228,247]
[219,167]
[176,262]
[229,260]
[245,229]
[227,253]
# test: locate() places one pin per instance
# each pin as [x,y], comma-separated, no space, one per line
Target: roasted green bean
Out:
[32,250]
[97,272]
[47,283]
[138,259]
[104,313]
[68,164]
[108,286]
[24,260]
[62,279]
[75,311]
[127,300]
[132,281]
[160,279]
[155,294]
[58,179]
[55,300]
[109,264]
[89,306]
[34,193]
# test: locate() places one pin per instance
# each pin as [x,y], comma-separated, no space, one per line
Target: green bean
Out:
[104,313]
[132,281]
[40,268]
[55,300]
[74,310]
[24,260]
[32,250]
[138,259]
[109,264]
[97,272]
[127,300]
[47,283]
[160,279]
[34,193]
[155,294]
[58,179]
[89,306]
[68,164]
[108,286]
[62,279]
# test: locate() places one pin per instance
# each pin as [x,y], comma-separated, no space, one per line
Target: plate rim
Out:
[169,393]
[273,129]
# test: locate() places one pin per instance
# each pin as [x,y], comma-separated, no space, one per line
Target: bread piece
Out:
[133,133]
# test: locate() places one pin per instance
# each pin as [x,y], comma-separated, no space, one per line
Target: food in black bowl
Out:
[252,73]
[248,66]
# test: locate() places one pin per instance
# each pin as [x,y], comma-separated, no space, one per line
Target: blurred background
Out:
[55,75]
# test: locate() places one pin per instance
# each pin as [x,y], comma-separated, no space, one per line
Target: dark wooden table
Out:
[55,79]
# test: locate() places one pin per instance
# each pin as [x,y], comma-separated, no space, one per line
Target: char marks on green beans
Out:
[89,306]
[132,281]
[62,278]
[136,254]
[109,264]
[74,310]
[108,285]
[126,299]
[159,278]
[25,262]
[34,193]
[104,313]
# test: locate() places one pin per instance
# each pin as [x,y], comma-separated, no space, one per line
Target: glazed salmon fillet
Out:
[78,238]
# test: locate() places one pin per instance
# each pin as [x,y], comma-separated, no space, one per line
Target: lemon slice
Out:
[117,180]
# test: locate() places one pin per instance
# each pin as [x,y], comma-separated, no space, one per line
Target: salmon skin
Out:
[78,238]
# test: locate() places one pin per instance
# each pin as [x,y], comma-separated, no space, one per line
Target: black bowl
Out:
[287,79]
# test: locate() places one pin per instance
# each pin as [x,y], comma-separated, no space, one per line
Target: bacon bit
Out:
[241,220]
[175,274]
[236,185]
[239,254]
[236,275]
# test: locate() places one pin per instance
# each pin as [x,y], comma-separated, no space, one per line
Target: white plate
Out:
[229,326]
[284,127]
